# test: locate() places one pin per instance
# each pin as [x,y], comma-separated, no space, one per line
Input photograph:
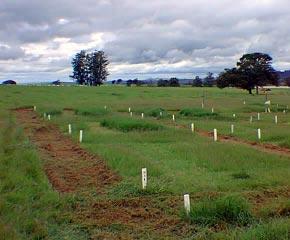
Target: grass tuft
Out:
[230,209]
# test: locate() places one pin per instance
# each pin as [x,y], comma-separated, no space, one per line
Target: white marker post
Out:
[44,115]
[234,115]
[173,118]
[131,114]
[244,102]
[212,110]
[276,119]
[142,115]
[69,129]
[232,129]
[202,105]
[129,109]
[259,133]
[192,127]
[215,137]
[144,178]
[49,117]
[81,136]
[259,117]
[105,107]
[186,203]
[160,114]
[251,119]
[34,108]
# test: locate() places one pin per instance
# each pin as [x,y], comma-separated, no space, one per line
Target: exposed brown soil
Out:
[69,168]
[137,216]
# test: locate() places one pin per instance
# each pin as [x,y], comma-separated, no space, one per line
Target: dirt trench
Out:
[68,167]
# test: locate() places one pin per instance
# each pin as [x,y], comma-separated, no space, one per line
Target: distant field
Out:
[246,179]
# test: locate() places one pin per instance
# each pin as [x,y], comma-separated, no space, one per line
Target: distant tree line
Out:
[90,68]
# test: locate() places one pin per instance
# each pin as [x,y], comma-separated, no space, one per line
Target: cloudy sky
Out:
[150,38]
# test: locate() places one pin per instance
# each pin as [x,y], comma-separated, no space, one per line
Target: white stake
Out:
[44,115]
[284,111]
[212,110]
[129,109]
[202,105]
[144,178]
[251,119]
[81,136]
[173,117]
[131,114]
[186,203]
[244,102]
[34,108]
[105,107]
[142,115]
[48,117]
[232,128]
[192,127]
[259,117]
[160,114]
[259,133]
[215,137]
[276,119]
[69,129]
[234,115]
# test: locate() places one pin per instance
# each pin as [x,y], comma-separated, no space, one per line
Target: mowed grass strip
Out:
[130,124]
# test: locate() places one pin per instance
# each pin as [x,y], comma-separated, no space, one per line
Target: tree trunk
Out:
[257,90]
[250,90]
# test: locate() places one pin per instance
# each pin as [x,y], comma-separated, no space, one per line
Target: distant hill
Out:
[284,74]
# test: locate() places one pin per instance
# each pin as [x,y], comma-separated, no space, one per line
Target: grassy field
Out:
[178,161]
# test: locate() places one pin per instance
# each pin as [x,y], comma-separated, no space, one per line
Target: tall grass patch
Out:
[127,124]
[197,112]
[91,111]
[229,209]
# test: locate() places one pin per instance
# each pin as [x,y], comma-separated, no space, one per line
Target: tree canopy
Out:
[252,71]
[90,68]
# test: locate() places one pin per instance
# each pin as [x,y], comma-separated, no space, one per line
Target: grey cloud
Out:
[208,33]
[10,53]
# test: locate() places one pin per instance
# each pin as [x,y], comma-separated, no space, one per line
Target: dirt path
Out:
[69,168]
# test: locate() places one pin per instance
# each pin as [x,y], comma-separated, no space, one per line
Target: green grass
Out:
[197,112]
[29,208]
[127,124]
[177,160]
[91,111]
[230,209]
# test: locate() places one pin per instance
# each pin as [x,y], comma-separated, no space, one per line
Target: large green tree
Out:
[90,68]
[80,68]
[252,71]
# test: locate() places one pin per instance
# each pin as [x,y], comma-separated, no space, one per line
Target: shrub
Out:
[126,125]
[230,209]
